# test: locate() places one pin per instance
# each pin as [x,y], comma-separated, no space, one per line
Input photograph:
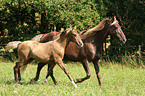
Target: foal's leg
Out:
[19,64]
[17,74]
[87,70]
[50,73]
[40,66]
[61,65]
[97,69]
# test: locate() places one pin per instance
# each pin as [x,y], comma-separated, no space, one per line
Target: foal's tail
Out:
[12,45]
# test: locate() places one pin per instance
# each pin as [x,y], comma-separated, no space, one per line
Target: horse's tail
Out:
[12,45]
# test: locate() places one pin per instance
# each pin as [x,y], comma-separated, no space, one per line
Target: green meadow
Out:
[118,80]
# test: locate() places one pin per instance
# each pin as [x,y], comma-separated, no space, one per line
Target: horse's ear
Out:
[69,30]
[114,20]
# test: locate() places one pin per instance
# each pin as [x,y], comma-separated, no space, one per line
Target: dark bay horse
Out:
[50,53]
[92,49]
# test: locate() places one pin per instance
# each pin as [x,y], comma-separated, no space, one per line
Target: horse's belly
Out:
[70,57]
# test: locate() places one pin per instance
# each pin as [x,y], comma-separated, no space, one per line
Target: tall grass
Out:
[129,61]
[135,62]
[117,80]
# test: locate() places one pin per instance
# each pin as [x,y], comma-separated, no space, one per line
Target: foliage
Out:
[22,19]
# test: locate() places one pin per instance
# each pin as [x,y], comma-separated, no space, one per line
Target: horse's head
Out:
[116,31]
[75,37]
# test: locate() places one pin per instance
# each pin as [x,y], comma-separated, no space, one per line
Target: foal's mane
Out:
[55,38]
[92,31]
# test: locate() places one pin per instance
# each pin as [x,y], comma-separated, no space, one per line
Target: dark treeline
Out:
[23,19]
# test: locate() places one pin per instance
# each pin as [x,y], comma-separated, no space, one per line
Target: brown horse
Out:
[92,49]
[46,53]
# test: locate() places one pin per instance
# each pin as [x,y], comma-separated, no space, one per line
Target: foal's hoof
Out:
[18,82]
[32,81]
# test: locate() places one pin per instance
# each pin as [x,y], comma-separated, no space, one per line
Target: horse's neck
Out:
[98,38]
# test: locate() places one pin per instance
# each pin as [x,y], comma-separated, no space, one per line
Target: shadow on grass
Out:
[25,83]
[12,82]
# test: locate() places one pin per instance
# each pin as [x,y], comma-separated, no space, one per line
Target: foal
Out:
[50,53]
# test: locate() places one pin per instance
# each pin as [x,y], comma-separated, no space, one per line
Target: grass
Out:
[117,80]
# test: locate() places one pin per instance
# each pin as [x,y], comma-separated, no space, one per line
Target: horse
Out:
[50,53]
[92,50]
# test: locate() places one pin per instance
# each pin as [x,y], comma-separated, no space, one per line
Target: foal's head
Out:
[116,31]
[74,36]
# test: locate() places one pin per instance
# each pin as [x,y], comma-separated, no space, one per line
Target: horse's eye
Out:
[114,27]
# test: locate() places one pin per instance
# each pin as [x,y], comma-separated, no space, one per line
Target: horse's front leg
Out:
[40,66]
[97,69]
[87,70]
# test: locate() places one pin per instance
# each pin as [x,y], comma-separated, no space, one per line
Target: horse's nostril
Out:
[82,45]
[124,40]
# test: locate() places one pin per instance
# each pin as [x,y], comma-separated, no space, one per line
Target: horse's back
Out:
[49,36]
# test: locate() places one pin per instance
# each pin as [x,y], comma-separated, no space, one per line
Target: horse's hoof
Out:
[78,80]
[56,83]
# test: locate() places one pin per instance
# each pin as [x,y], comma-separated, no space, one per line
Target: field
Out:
[116,79]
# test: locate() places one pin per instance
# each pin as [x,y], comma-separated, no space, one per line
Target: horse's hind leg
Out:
[50,73]
[40,66]
[87,70]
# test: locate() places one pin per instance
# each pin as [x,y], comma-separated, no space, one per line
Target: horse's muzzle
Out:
[123,41]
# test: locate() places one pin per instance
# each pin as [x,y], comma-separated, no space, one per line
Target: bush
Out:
[22,19]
